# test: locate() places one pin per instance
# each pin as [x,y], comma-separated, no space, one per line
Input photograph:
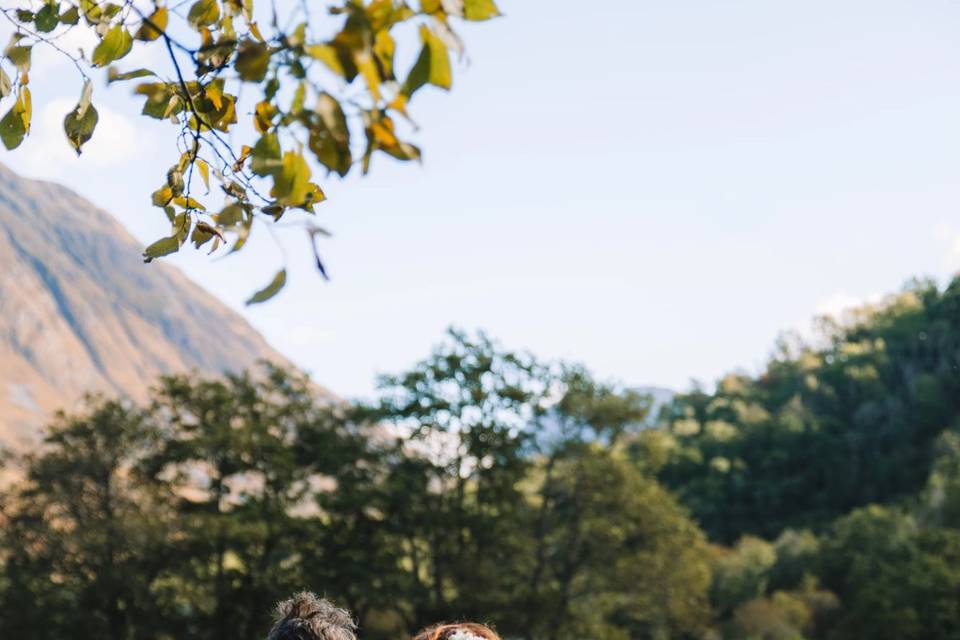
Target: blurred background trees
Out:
[818,499]
[483,484]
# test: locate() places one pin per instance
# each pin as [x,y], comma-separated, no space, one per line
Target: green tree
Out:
[483,484]
[83,537]
[228,461]
[742,573]
[614,555]
[940,500]
[895,579]
[328,82]
[464,422]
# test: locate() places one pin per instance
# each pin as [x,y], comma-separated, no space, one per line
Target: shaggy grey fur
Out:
[307,617]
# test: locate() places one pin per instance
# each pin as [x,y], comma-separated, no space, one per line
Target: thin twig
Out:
[44,40]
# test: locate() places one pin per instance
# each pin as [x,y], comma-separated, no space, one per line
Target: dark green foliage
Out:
[486,485]
[83,534]
[898,580]
[191,517]
[823,430]
[805,453]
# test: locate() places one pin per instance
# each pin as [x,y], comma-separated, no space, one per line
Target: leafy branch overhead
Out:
[252,96]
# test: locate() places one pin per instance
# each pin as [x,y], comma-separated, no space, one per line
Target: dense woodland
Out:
[819,499]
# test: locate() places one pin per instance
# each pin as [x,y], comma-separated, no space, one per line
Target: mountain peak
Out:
[81,312]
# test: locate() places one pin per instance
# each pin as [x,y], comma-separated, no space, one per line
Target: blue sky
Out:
[656,189]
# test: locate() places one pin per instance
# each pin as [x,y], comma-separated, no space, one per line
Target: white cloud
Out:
[116,142]
[951,261]
[837,303]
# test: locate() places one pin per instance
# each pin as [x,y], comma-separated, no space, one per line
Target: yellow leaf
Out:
[255,30]
[431,67]
[214,91]
[162,196]
[116,44]
[368,69]
[480,9]
[204,13]
[154,26]
[204,170]
[188,203]
[328,56]
[291,184]
[384,48]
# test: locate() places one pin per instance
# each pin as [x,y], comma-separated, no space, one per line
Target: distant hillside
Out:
[80,311]
[824,429]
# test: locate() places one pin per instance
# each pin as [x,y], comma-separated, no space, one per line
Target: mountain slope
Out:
[80,311]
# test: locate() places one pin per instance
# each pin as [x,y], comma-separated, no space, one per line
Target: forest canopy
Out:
[468,490]
[818,500]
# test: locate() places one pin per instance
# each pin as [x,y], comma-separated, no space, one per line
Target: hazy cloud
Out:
[115,143]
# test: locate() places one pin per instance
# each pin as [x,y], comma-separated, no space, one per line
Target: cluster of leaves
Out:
[190,517]
[336,97]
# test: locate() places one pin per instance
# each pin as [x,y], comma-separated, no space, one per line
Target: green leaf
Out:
[181,226]
[291,185]
[271,289]
[162,247]
[115,75]
[253,60]
[71,16]
[160,96]
[80,123]
[154,26]
[230,215]
[16,124]
[19,56]
[116,44]
[431,67]
[175,180]
[265,156]
[330,137]
[91,11]
[48,18]
[478,10]
[200,236]
[204,13]
[299,96]
[162,196]
[79,129]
